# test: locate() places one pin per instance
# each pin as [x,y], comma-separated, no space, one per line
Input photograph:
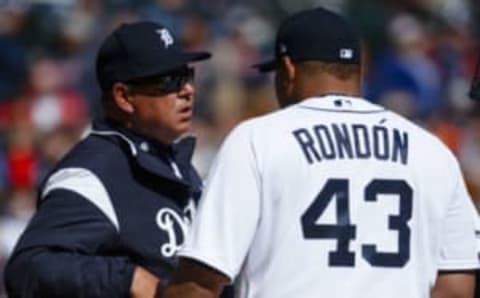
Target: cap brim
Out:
[174,63]
[183,59]
[197,56]
[266,66]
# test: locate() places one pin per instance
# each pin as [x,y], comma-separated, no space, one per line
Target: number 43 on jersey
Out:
[344,231]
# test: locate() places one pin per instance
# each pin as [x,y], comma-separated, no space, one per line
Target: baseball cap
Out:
[316,34]
[140,50]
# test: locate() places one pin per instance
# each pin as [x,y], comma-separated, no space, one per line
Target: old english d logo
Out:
[171,222]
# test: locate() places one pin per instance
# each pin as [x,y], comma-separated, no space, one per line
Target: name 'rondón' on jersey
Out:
[334,196]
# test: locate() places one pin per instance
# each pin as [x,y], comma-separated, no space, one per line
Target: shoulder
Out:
[83,170]
[246,132]
[95,148]
[420,132]
[426,146]
[95,154]
[265,124]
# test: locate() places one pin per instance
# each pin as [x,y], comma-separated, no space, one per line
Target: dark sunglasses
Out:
[166,83]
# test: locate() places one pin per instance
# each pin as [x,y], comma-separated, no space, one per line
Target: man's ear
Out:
[285,80]
[122,98]
[289,68]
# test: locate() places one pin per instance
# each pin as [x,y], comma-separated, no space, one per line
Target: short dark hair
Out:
[339,70]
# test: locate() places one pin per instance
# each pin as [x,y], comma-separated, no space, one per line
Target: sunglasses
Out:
[170,82]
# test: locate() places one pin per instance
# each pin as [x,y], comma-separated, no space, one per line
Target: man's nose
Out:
[187,90]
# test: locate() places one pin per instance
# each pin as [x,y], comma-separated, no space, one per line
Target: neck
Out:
[325,84]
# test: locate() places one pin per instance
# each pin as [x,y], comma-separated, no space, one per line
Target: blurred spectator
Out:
[42,29]
[14,218]
[16,215]
[196,34]
[469,154]
[22,162]
[407,67]
[371,19]
[13,68]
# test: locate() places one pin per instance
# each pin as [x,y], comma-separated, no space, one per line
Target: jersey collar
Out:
[340,103]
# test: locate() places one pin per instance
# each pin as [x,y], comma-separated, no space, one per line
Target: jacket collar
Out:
[150,154]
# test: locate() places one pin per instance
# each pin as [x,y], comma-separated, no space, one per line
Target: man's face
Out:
[163,105]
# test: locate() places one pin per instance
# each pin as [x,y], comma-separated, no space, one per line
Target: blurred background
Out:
[421,56]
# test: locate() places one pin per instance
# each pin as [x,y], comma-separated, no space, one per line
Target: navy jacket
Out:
[116,200]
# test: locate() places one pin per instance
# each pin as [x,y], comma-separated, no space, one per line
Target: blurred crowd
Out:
[421,56]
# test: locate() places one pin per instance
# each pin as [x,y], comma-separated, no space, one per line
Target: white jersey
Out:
[334,197]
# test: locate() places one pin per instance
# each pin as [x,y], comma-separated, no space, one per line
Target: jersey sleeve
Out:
[228,213]
[458,247]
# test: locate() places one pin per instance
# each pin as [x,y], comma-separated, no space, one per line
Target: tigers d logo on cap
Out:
[140,50]
[166,37]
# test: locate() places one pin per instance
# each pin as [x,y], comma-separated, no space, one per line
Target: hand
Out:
[186,290]
[144,284]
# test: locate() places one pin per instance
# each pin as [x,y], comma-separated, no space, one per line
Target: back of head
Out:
[316,35]
[320,44]
[474,92]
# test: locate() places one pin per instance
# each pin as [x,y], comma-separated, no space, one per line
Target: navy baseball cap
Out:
[140,50]
[317,34]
